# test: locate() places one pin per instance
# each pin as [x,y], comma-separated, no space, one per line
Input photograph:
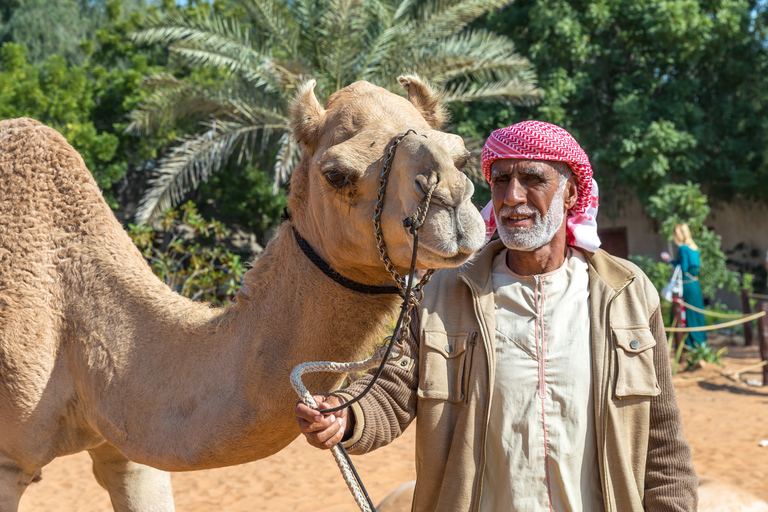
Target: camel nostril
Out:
[424,183]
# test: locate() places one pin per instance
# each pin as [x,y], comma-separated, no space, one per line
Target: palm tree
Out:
[273,46]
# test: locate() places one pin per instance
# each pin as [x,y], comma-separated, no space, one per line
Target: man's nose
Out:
[515,193]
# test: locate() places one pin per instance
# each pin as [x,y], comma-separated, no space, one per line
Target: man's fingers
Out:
[307,413]
[328,438]
[321,436]
[321,430]
[313,425]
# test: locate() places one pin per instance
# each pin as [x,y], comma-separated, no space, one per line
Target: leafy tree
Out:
[676,204]
[265,48]
[243,196]
[88,103]
[185,253]
[657,91]
[55,27]
[44,28]
[60,96]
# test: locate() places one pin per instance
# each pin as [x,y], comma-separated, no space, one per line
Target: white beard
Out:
[543,229]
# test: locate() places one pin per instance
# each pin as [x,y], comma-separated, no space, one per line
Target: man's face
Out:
[529,200]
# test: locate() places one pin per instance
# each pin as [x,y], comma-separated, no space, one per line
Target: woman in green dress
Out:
[688,259]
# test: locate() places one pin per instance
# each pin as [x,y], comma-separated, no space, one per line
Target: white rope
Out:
[306,397]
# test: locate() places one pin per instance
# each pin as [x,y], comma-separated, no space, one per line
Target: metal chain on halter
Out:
[414,222]
[412,296]
[417,219]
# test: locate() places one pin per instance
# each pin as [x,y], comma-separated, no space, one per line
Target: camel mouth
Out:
[435,258]
[450,235]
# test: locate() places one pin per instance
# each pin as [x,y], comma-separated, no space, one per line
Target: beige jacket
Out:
[446,379]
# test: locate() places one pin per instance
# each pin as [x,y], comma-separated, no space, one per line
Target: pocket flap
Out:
[636,373]
[449,345]
[634,340]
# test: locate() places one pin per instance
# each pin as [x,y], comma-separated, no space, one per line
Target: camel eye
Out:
[336,178]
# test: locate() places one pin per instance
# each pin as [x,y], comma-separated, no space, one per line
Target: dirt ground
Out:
[724,421]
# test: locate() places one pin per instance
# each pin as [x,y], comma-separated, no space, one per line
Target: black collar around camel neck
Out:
[320,263]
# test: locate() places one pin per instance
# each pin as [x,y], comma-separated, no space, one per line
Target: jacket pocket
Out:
[441,366]
[636,374]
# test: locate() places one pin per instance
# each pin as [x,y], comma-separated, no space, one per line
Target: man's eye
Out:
[336,178]
[533,179]
[501,179]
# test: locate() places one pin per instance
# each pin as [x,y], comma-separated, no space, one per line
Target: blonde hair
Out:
[683,236]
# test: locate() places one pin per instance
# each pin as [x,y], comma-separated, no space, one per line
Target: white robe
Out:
[541,449]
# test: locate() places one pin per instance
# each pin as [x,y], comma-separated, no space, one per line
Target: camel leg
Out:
[13,482]
[132,487]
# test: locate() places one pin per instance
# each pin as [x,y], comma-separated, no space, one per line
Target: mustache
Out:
[520,209]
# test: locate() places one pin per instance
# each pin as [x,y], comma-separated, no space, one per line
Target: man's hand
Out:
[323,431]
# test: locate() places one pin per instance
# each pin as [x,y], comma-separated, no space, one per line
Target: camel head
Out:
[335,186]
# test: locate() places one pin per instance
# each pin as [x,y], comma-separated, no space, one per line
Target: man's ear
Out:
[571,192]
[307,115]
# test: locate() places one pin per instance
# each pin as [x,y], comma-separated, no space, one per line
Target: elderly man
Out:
[539,371]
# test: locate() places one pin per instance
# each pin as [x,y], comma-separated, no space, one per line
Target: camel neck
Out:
[225,372]
[326,269]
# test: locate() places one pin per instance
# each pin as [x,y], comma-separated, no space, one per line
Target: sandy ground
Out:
[724,422]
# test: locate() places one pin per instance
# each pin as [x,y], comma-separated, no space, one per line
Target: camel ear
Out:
[426,100]
[307,115]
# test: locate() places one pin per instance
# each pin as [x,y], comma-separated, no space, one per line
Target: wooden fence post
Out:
[762,334]
[747,310]
[676,320]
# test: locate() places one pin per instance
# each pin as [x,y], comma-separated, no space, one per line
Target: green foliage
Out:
[746,281]
[88,104]
[263,51]
[60,96]
[675,204]
[182,253]
[657,271]
[703,352]
[658,91]
[243,196]
[44,28]
[56,27]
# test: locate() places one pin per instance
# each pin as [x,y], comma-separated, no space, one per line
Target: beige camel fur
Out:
[97,354]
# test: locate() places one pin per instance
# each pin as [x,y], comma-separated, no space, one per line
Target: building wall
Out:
[735,223]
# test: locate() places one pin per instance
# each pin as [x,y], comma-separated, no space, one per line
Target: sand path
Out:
[723,422]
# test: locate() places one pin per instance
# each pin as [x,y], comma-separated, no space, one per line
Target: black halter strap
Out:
[323,265]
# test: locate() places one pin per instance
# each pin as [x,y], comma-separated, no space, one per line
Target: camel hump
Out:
[24,130]
[7,125]
[41,171]
[28,147]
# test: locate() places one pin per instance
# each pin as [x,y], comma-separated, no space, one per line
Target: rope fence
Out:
[714,327]
[715,314]
[679,334]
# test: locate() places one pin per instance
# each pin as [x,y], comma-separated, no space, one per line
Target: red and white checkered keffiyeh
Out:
[536,140]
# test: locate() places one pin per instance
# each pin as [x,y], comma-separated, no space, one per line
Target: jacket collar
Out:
[478,270]
[601,264]
[609,269]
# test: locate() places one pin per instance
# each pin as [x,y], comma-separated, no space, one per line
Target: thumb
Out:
[330,402]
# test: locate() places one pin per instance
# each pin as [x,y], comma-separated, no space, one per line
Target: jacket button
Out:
[634,344]
[448,348]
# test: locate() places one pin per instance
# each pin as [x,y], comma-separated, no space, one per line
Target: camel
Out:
[98,354]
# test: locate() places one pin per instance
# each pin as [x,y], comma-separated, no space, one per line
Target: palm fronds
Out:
[189,163]
[267,53]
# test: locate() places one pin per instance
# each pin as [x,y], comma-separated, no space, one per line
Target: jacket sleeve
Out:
[390,406]
[670,479]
